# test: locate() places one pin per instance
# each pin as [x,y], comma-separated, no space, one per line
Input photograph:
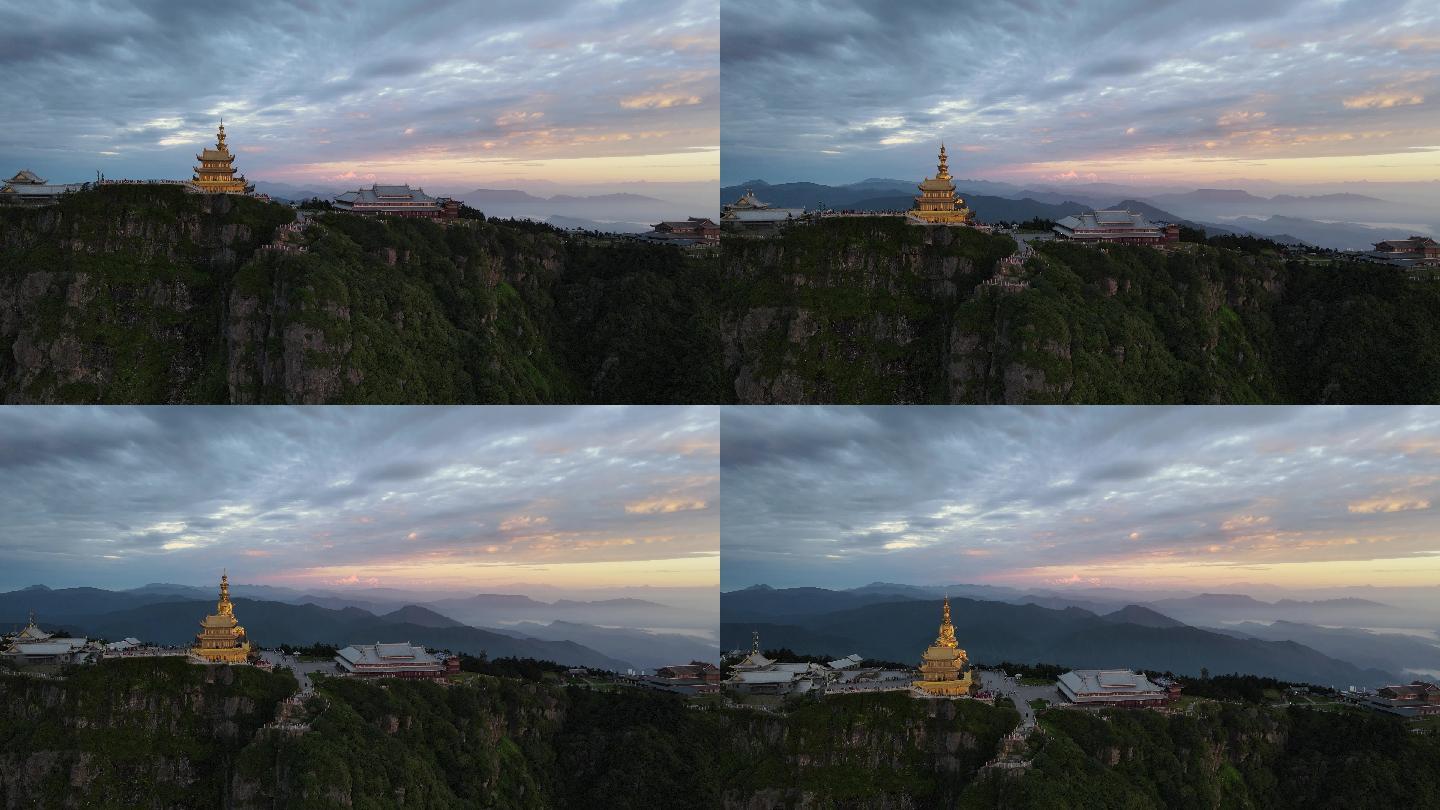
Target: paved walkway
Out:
[1001,684]
[302,669]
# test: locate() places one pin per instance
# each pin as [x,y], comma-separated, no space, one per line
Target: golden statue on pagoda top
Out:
[937,203]
[221,639]
[945,668]
[216,172]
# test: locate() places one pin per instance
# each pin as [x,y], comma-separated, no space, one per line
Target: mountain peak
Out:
[1143,616]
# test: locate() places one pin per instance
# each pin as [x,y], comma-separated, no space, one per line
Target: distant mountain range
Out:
[1333,221]
[821,622]
[645,649]
[615,212]
[1393,652]
[169,614]
[274,623]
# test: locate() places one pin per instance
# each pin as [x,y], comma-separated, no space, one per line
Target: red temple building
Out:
[692,231]
[1120,227]
[397,201]
[1417,250]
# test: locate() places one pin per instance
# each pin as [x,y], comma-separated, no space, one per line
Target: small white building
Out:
[756,674]
[748,213]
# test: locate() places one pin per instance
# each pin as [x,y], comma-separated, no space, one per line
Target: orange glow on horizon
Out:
[699,165]
[1206,170]
[695,571]
[1417,570]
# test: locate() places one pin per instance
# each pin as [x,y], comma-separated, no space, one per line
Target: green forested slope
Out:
[877,310]
[149,733]
[1222,755]
[148,294]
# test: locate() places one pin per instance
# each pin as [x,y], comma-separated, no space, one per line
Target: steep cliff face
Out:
[1221,755]
[850,310]
[167,734]
[147,294]
[884,751]
[1120,325]
[114,295]
[411,745]
[875,310]
[163,734]
[155,733]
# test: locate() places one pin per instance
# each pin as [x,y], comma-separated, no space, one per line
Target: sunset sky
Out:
[391,497]
[1152,497]
[1132,91]
[327,92]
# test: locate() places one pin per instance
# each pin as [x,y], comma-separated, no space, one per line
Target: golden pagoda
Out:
[945,668]
[222,639]
[937,203]
[215,173]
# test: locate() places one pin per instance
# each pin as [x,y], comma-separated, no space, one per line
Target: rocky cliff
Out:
[885,751]
[148,294]
[162,734]
[156,733]
[876,310]
[165,734]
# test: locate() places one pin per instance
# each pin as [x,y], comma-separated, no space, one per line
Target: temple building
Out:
[1116,687]
[937,203]
[754,674]
[222,640]
[748,213]
[401,660]
[28,188]
[397,201]
[692,231]
[1417,251]
[32,646]
[216,172]
[1119,227]
[754,659]
[945,668]
[1415,699]
[702,671]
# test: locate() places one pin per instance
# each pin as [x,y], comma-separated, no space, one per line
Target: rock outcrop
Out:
[875,310]
[148,294]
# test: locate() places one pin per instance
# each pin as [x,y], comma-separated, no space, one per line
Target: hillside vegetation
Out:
[148,294]
[1221,755]
[163,734]
[876,310]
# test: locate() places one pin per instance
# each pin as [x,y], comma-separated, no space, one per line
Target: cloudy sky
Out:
[394,497]
[315,91]
[1054,90]
[1129,497]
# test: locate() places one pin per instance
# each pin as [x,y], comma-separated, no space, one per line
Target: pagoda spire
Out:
[947,630]
[223,607]
[942,172]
